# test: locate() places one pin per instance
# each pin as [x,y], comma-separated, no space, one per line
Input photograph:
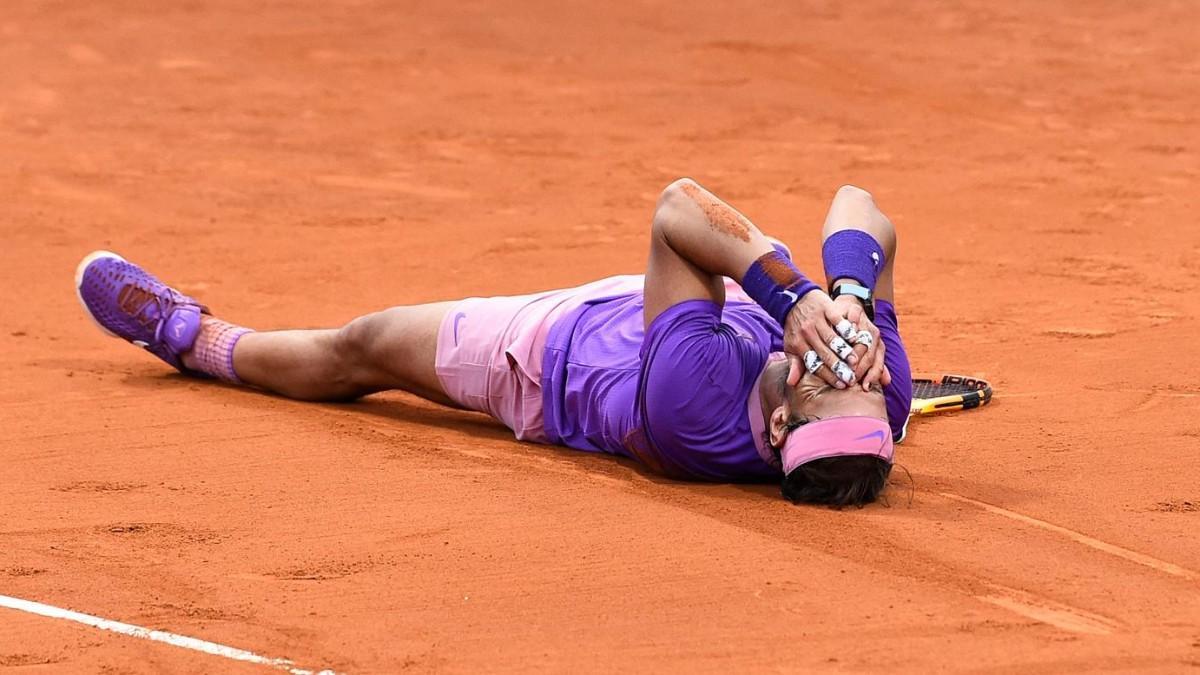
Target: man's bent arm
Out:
[696,239]
[855,236]
[854,209]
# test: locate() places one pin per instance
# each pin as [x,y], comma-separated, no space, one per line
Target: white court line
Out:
[154,635]
[1111,549]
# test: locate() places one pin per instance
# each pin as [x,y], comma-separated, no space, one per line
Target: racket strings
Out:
[937,389]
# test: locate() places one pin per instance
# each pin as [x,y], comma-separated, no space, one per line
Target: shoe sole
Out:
[83,265]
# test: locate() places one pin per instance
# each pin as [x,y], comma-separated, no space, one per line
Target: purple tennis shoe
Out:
[128,302]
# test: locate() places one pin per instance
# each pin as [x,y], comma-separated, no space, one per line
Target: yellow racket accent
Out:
[943,393]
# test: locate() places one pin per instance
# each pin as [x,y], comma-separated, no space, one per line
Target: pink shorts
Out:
[489,351]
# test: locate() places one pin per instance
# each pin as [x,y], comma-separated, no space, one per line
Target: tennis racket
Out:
[943,393]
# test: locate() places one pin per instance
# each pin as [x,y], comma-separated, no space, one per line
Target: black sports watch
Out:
[863,294]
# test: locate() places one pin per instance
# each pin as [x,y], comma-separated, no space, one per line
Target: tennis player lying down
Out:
[721,363]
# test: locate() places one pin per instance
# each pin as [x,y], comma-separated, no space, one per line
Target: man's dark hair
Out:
[849,480]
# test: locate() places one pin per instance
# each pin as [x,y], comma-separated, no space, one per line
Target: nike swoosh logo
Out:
[791,295]
[457,317]
[177,328]
[873,434]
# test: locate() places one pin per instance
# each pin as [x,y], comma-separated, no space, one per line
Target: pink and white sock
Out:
[212,354]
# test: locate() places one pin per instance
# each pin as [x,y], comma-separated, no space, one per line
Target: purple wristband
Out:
[853,254]
[776,284]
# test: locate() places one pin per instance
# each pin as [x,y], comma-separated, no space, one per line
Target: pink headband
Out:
[837,437]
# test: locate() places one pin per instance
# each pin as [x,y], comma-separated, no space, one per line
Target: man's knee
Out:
[354,342]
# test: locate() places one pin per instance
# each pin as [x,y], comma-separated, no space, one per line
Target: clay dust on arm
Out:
[721,216]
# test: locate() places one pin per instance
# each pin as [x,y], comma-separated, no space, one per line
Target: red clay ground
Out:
[300,164]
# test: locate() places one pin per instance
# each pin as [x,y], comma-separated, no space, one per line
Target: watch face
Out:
[859,292]
[863,294]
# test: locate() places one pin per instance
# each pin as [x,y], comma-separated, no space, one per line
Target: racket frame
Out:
[980,394]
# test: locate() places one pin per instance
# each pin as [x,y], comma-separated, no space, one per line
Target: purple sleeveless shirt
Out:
[674,397]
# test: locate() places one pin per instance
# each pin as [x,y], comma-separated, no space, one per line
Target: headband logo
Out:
[873,434]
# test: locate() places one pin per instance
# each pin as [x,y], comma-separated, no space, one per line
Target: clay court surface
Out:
[295,164]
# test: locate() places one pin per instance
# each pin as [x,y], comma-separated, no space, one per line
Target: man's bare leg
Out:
[391,349]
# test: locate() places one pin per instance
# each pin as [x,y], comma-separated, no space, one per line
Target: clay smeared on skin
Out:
[721,217]
[779,269]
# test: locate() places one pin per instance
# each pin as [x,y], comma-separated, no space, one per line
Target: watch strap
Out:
[863,294]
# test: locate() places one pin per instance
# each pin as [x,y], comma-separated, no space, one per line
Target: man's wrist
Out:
[845,280]
[853,254]
[850,288]
[815,297]
[775,283]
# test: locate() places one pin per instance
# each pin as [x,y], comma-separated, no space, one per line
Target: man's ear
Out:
[778,427]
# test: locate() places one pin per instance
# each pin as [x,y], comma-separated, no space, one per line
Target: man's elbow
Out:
[854,193]
[878,225]
[672,202]
[677,193]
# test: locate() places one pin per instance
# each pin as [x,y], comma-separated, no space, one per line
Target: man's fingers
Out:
[865,341]
[836,372]
[827,358]
[843,374]
[795,370]
[843,349]
[846,329]
[861,363]
[875,374]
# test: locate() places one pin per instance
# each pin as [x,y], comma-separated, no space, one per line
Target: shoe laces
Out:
[135,300]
